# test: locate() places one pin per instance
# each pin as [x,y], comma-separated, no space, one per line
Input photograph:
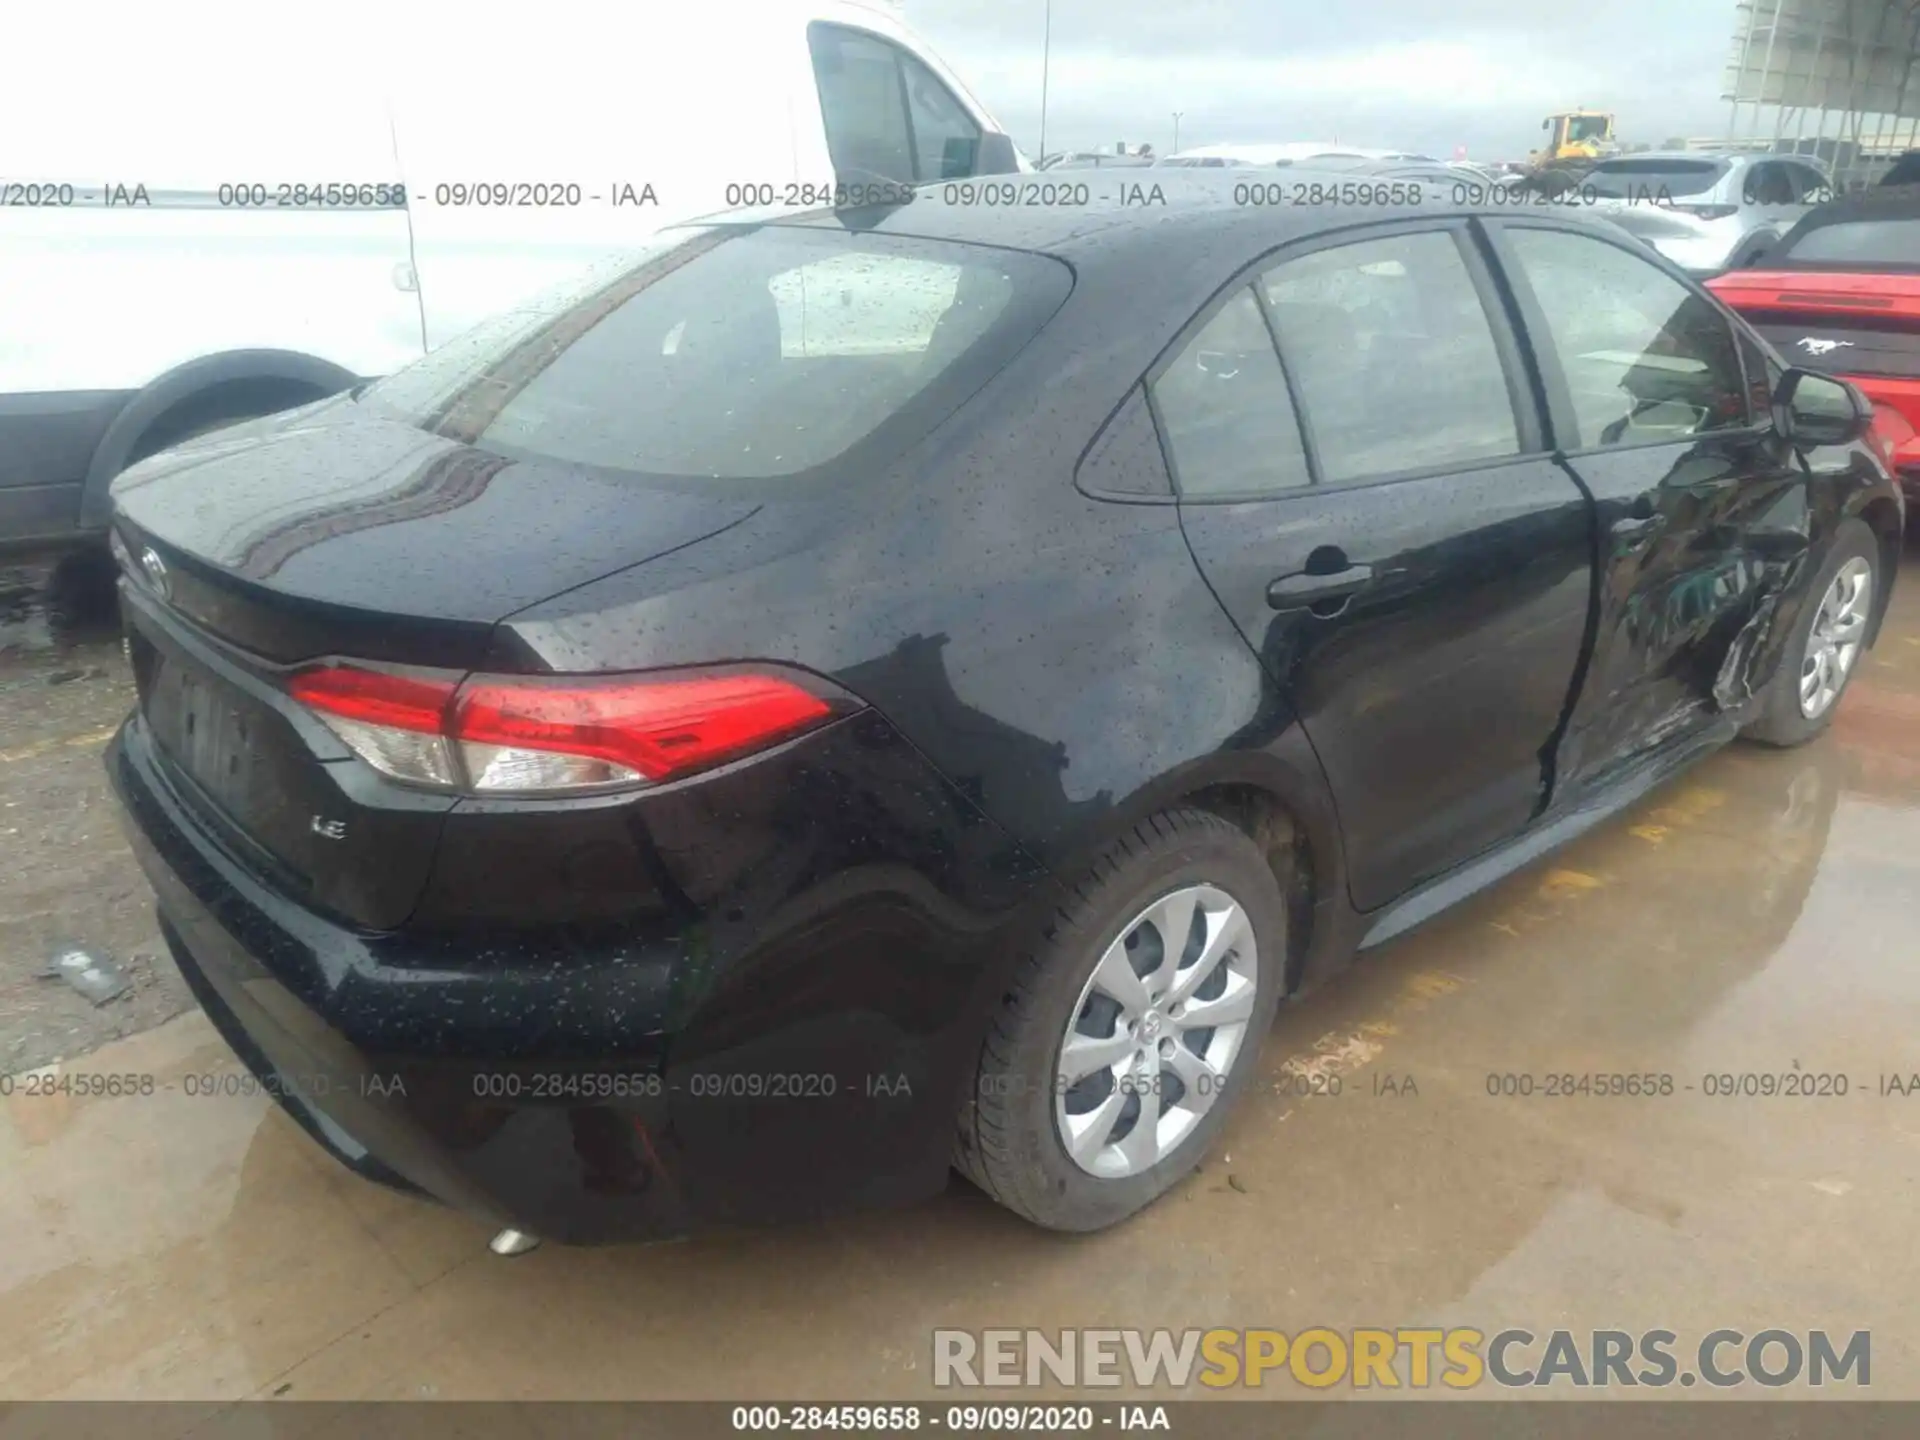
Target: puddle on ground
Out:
[52,604]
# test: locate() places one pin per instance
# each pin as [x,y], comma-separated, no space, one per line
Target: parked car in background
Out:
[1903,171]
[857,689]
[1443,182]
[1841,294]
[1214,157]
[166,269]
[1094,160]
[1707,213]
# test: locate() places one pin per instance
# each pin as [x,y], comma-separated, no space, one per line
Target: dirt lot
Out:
[68,878]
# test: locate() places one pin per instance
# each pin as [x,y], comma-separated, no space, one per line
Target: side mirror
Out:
[996,155]
[1814,409]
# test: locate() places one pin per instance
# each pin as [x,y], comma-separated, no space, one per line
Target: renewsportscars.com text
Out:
[1459,1358]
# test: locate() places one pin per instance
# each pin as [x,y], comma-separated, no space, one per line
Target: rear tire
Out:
[1011,1141]
[1786,717]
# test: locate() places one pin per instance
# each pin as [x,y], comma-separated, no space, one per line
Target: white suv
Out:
[1706,213]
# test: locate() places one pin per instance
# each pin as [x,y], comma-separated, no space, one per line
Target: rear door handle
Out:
[1298,592]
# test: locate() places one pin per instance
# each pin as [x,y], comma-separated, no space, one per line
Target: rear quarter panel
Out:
[1057,657]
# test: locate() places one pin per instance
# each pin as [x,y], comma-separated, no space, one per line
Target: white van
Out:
[229,218]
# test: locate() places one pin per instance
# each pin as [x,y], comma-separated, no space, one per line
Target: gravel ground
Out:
[67,878]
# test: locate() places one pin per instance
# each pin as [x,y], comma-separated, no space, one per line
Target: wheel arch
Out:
[1279,799]
[246,379]
[1882,517]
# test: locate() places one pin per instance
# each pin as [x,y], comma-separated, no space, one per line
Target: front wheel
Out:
[1827,645]
[1129,1031]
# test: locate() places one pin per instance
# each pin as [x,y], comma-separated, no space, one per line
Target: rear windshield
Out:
[1883,243]
[736,353]
[1652,179]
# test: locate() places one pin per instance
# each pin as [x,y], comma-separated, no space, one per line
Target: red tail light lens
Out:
[376,697]
[503,734]
[651,730]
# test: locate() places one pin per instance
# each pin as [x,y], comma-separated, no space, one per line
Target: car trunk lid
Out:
[336,531]
[249,554]
[1847,323]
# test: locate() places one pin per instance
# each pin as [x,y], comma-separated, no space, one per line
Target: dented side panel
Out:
[1697,543]
[1840,483]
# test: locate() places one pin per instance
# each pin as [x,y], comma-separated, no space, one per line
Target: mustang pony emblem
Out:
[1823,347]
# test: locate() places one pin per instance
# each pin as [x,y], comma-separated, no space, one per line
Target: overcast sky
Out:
[1416,74]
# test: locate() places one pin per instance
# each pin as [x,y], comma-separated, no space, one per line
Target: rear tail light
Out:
[508,734]
[1708,212]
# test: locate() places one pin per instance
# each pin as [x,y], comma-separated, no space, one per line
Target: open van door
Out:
[892,112]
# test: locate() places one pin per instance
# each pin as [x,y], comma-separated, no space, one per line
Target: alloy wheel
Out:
[1155,1032]
[1833,644]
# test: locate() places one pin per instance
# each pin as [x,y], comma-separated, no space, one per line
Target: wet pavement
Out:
[1757,917]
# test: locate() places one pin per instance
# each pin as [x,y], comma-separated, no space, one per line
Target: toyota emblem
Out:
[156,569]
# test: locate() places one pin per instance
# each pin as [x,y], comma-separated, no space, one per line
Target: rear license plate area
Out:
[203,725]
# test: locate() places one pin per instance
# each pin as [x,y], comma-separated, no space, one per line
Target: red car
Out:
[1841,293]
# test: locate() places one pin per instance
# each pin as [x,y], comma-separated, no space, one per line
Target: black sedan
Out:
[847,694]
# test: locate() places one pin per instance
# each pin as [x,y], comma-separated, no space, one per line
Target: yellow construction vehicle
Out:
[1575,135]
[1576,139]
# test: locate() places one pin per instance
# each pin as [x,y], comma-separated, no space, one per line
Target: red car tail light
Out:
[509,734]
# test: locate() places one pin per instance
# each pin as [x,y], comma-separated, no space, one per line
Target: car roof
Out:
[1199,221]
[1876,202]
[1275,154]
[1118,211]
[1700,157]
[1141,272]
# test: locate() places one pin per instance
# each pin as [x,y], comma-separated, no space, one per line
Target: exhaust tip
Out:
[513,1242]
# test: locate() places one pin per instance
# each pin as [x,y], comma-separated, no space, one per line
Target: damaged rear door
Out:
[1700,511]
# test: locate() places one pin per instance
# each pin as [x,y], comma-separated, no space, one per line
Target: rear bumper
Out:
[1701,256]
[633,1091]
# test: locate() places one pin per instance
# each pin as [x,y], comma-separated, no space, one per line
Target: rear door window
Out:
[1645,358]
[1653,179]
[1393,355]
[1224,411]
[1768,183]
[1810,187]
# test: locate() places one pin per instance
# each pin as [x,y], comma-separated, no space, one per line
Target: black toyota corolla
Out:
[844,695]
